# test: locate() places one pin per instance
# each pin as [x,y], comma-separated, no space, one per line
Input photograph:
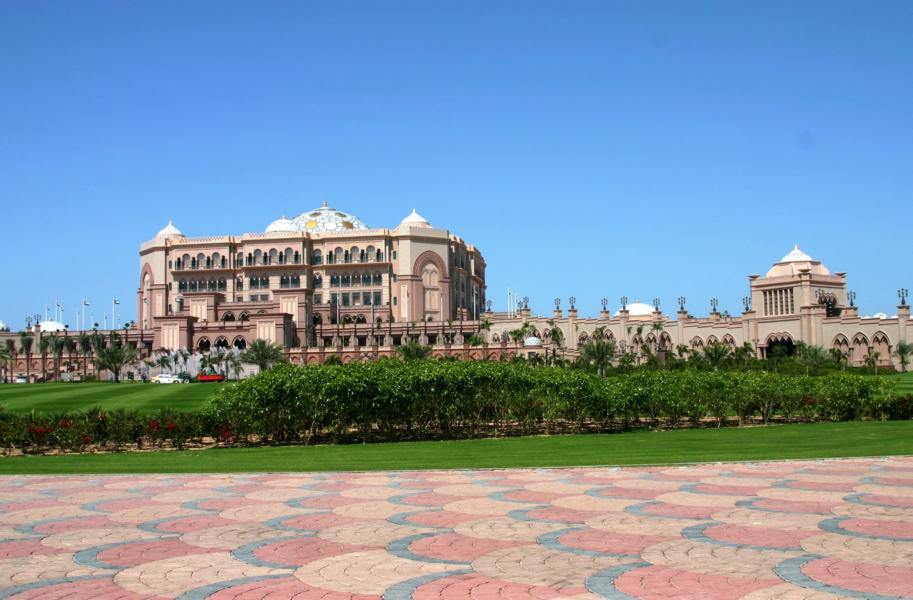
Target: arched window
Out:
[240,343]
[356,278]
[339,255]
[223,285]
[228,317]
[244,316]
[273,257]
[317,257]
[221,342]
[258,257]
[318,281]
[203,345]
[371,253]
[182,285]
[378,279]
[346,280]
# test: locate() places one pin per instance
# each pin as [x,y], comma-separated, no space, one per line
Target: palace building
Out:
[797,300]
[298,281]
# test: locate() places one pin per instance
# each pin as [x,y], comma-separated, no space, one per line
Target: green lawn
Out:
[904,382]
[64,397]
[825,440]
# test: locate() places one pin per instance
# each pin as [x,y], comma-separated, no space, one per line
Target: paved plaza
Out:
[805,529]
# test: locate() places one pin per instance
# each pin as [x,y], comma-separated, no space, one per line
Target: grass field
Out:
[824,440]
[64,397]
[904,382]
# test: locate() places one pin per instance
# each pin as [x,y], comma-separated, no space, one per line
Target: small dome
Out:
[283,224]
[52,326]
[169,231]
[532,341]
[327,220]
[4,326]
[637,309]
[415,220]
[797,260]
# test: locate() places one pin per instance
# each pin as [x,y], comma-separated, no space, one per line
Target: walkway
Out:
[811,530]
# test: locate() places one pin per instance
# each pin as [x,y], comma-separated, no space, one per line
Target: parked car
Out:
[20,379]
[167,378]
[210,377]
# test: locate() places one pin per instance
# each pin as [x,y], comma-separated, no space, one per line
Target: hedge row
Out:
[96,429]
[393,399]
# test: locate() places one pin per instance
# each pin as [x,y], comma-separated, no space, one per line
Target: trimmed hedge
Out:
[392,399]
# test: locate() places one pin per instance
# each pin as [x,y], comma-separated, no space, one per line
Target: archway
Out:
[240,343]
[204,345]
[781,344]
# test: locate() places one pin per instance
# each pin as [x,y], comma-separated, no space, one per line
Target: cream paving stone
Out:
[868,511]
[892,553]
[230,537]
[536,565]
[788,591]
[595,503]
[369,572]
[776,520]
[372,492]
[261,512]
[172,577]
[44,513]
[715,560]
[282,494]
[798,495]
[370,533]
[38,567]
[506,529]
[695,499]
[80,539]
[485,506]
[142,514]
[469,489]
[377,509]
[640,525]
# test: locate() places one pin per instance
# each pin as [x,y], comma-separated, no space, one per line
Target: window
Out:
[317,257]
[182,285]
[378,279]
[356,279]
[223,285]
[239,284]
[346,280]
[296,281]
[254,283]
[394,255]
[264,282]
[346,300]
[317,282]
[394,300]
[377,297]
[318,299]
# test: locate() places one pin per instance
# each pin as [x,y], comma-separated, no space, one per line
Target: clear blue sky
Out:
[588,148]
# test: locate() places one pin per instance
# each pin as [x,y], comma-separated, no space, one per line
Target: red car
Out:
[205,378]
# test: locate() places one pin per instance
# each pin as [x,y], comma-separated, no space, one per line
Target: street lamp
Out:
[902,294]
[746,303]
[114,303]
[851,296]
[681,303]
[624,303]
[713,304]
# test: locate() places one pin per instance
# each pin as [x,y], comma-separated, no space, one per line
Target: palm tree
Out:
[56,345]
[412,350]
[114,357]
[25,346]
[744,354]
[84,341]
[263,353]
[871,360]
[903,350]
[598,354]
[813,357]
[233,364]
[716,354]
[164,362]
[838,357]
[6,358]
[44,344]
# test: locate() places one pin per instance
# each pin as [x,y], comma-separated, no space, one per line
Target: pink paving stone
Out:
[611,542]
[795,506]
[129,555]
[194,523]
[285,588]
[655,582]
[827,486]
[126,504]
[862,577]
[679,476]
[328,501]
[453,546]
[90,589]
[431,499]
[478,587]
[75,524]
[758,536]
[226,503]
[297,552]
[879,527]
[331,486]
[25,548]
[319,521]
[729,490]
[899,501]
[441,518]
[531,496]
[665,509]
[26,504]
[903,481]
[558,514]
[632,493]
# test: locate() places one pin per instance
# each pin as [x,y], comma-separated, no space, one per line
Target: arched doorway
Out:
[240,343]
[780,345]
[204,345]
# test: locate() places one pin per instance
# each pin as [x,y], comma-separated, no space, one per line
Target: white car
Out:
[166,378]
[20,379]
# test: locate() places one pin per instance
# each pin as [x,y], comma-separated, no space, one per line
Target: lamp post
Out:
[902,294]
[713,304]
[681,303]
[114,303]
[624,303]
[746,303]
[851,296]
[656,304]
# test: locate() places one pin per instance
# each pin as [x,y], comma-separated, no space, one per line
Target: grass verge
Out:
[822,440]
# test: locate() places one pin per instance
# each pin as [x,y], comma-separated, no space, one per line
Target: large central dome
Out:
[320,220]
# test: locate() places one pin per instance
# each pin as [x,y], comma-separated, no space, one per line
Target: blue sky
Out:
[588,148]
